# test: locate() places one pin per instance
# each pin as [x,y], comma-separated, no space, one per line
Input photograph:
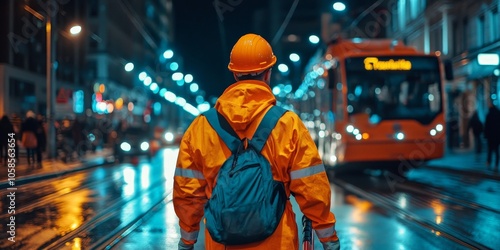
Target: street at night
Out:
[249,125]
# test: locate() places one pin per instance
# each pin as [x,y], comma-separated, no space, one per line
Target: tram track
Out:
[113,238]
[154,195]
[48,199]
[408,216]
[112,212]
[421,189]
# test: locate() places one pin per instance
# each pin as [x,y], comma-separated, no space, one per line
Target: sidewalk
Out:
[53,168]
[465,161]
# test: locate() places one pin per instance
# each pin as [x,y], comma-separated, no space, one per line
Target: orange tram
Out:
[373,103]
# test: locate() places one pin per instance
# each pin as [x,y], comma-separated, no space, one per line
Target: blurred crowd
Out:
[74,137]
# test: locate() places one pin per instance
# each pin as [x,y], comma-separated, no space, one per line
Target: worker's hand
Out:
[331,245]
[184,246]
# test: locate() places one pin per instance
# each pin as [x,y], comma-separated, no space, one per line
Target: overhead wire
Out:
[283,26]
[364,13]
[129,10]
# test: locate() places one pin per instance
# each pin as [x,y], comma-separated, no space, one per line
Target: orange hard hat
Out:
[251,54]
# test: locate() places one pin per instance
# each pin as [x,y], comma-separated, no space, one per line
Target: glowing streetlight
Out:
[168,54]
[194,87]
[283,68]
[142,76]
[188,78]
[294,57]
[51,80]
[177,76]
[129,67]
[174,66]
[339,6]
[75,30]
[314,39]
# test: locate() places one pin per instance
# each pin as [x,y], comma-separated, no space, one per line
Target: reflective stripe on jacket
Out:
[290,150]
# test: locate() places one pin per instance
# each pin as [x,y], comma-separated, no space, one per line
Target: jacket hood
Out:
[243,101]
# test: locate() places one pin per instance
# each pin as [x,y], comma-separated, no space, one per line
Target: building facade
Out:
[465,32]
[113,34]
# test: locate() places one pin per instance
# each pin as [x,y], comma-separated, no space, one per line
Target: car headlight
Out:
[125,146]
[169,136]
[144,146]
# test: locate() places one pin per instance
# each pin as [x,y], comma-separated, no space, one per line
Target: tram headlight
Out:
[439,128]
[356,133]
[349,128]
[400,136]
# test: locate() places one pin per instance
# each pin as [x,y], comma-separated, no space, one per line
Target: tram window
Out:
[332,78]
[338,98]
[399,94]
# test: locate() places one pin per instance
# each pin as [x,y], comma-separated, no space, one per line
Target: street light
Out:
[294,57]
[339,6]
[75,30]
[283,68]
[314,39]
[129,67]
[50,79]
[168,54]
[50,75]
[51,90]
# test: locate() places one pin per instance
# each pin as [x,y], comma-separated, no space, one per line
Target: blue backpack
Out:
[246,204]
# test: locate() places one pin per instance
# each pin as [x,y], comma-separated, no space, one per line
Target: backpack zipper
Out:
[241,169]
[235,160]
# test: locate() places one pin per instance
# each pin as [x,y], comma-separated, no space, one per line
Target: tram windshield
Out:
[388,88]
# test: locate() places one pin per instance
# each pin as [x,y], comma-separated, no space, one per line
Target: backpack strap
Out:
[266,126]
[223,129]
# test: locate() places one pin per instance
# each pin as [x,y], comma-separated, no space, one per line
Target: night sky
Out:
[205,42]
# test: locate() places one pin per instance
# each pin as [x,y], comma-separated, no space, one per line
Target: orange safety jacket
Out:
[290,150]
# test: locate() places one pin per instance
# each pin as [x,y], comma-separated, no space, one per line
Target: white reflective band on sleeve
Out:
[189,173]
[325,233]
[301,173]
[189,236]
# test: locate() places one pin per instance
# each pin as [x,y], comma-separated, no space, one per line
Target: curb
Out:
[37,177]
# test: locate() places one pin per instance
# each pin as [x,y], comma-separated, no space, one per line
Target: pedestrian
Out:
[477,128]
[16,123]
[77,135]
[41,137]
[6,128]
[492,134]
[29,141]
[294,159]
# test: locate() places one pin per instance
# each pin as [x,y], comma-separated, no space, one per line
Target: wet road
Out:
[80,210]
[128,206]
[462,208]
[363,223]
